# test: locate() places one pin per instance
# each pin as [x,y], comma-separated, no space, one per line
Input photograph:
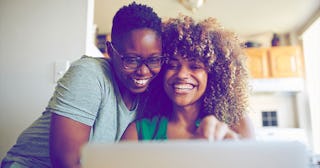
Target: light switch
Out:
[60,67]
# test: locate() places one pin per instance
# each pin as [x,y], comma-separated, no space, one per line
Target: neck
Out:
[128,98]
[183,125]
[186,115]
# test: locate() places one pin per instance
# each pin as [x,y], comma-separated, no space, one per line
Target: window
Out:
[311,42]
[269,118]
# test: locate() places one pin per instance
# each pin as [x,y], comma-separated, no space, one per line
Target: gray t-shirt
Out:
[88,94]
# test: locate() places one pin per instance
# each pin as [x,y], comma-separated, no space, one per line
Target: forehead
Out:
[186,59]
[138,36]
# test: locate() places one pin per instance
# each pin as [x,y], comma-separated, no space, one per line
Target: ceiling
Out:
[245,17]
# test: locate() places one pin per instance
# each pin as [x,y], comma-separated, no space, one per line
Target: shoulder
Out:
[90,68]
[92,63]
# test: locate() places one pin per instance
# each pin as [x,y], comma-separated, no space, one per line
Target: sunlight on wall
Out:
[311,41]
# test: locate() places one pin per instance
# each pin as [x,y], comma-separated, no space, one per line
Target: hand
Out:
[214,130]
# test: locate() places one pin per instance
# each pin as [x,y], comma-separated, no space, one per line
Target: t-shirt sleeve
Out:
[78,93]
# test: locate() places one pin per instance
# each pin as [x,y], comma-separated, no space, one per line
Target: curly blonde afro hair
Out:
[226,95]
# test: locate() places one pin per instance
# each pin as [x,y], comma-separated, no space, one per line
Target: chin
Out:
[181,104]
[138,90]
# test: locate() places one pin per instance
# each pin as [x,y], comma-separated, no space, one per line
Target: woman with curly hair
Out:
[201,92]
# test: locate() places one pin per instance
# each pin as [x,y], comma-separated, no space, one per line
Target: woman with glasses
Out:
[202,89]
[97,97]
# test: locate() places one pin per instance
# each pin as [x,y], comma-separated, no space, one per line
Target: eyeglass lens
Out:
[131,62]
[135,62]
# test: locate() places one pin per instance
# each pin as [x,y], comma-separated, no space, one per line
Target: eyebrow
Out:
[192,60]
[138,55]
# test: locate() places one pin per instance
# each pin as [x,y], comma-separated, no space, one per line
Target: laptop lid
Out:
[196,154]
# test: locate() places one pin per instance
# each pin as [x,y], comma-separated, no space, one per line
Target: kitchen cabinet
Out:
[257,62]
[275,62]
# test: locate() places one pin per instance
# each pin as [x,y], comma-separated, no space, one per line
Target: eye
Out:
[131,59]
[197,65]
[173,64]
[154,60]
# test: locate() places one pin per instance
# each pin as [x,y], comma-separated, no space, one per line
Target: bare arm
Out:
[245,128]
[130,133]
[213,129]
[66,139]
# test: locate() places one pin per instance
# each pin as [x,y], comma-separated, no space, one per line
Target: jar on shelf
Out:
[275,40]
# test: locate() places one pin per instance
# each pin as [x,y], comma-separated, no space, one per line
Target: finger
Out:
[205,132]
[220,131]
[231,135]
[207,127]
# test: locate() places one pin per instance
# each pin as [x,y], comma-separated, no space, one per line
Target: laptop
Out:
[196,154]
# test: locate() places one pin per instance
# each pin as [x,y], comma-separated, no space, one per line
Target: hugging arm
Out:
[212,129]
[66,139]
[245,128]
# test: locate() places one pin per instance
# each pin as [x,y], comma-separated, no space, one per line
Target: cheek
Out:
[117,67]
[166,81]
[117,64]
[155,71]
[203,81]
[167,77]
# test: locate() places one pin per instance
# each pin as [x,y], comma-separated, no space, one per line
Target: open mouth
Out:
[181,88]
[141,82]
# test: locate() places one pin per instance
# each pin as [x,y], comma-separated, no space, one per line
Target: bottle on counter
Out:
[275,40]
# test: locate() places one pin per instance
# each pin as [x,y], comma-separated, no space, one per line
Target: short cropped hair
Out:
[226,95]
[131,17]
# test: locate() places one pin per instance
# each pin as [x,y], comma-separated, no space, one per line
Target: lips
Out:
[141,82]
[183,88]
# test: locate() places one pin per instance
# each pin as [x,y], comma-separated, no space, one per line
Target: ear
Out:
[109,49]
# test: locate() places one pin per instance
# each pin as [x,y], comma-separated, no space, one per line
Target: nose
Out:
[183,72]
[143,69]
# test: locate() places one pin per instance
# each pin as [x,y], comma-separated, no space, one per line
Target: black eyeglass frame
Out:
[139,60]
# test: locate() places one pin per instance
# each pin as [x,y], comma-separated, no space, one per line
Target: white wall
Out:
[34,34]
[282,102]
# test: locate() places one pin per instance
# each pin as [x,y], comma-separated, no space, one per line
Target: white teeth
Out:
[140,82]
[183,86]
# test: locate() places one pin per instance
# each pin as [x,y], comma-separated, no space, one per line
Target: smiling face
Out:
[143,43]
[185,81]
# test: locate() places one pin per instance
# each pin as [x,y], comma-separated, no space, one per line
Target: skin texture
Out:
[222,107]
[144,43]
[210,128]
[185,83]
[67,136]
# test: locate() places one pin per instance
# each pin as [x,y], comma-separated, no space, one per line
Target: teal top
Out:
[152,129]
[155,128]
[87,93]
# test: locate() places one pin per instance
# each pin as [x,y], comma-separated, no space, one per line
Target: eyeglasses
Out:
[134,62]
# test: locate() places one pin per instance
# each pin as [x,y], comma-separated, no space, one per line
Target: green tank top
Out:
[152,129]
